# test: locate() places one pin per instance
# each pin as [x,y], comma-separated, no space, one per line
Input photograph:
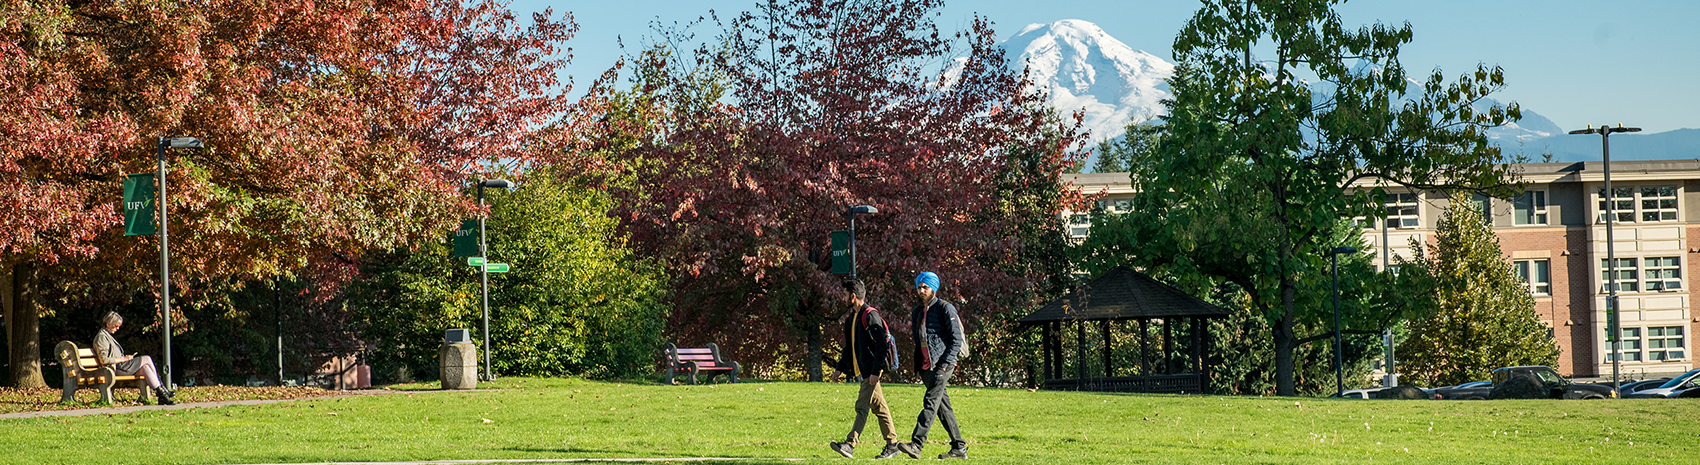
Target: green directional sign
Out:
[138,205]
[466,239]
[841,252]
[496,267]
[474,261]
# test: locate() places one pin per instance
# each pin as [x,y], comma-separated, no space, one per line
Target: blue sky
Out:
[1575,62]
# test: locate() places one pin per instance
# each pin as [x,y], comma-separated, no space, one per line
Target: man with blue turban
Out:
[938,344]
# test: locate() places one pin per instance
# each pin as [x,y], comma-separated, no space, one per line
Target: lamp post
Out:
[1339,361]
[484,270]
[1611,252]
[851,214]
[165,248]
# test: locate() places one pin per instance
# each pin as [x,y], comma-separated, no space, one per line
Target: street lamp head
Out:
[183,143]
[1605,129]
[1342,249]
[864,209]
[495,183]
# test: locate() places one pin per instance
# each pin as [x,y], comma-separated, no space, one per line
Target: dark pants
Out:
[937,404]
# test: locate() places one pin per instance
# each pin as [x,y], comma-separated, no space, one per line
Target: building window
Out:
[1664,343]
[1537,274]
[1402,211]
[1626,279]
[1662,274]
[1079,224]
[1483,205]
[1658,204]
[1629,345]
[1623,203]
[1650,204]
[1530,208]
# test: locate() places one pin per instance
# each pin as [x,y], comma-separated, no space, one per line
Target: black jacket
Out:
[937,333]
[867,339]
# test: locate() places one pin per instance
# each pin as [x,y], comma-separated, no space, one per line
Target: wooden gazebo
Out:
[1123,295]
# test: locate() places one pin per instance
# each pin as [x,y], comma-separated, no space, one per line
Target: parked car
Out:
[1556,386]
[1633,387]
[1397,392]
[1671,388]
[1473,384]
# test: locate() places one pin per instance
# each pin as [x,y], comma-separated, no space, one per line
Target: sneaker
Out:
[843,448]
[954,454]
[909,448]
[890,450]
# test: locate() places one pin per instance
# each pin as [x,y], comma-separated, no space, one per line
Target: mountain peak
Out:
[1084,68]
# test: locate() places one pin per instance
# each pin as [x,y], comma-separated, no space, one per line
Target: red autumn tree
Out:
[333,128]
[743,161]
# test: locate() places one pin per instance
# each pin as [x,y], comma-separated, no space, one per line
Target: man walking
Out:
[866,356]
[938,343]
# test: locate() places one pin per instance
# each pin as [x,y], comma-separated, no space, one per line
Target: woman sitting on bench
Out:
[125,365]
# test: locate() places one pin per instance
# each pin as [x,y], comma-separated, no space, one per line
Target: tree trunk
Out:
[23,330]
[1284,340]
[815,374]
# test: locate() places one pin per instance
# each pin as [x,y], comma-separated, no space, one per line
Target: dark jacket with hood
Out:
[937,332]
[864,343]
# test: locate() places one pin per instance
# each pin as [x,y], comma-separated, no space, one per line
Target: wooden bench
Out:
[83,367]
[694,361]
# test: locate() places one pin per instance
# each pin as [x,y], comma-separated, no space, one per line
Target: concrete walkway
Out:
[606,460]
[223,403]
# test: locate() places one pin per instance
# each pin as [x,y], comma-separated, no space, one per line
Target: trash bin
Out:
[458,362]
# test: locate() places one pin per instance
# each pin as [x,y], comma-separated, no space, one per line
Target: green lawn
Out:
[769,421]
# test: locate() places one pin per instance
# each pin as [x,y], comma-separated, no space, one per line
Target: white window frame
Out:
[1629,345]
[1404,210]
[1641,204]
[1535,203]
[1661,274]
[1624,207]
[1667,344]
[1628,274]
[1656,206]
[1529,270]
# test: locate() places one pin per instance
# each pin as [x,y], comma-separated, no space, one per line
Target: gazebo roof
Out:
[1124,294]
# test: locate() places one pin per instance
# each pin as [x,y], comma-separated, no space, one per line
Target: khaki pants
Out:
[872,399]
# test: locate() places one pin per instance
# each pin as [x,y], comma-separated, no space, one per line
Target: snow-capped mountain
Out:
[1532,126]
[1083,68]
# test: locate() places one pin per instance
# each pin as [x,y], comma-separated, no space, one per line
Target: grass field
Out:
[770,421]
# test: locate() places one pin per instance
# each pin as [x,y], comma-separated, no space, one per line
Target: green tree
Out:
[1261,155]
[577,301]
[1484,316]
[1118,155]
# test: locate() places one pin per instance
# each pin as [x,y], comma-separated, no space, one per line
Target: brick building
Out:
[1555,234]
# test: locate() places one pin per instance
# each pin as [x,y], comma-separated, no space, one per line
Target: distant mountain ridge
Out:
[1083,68]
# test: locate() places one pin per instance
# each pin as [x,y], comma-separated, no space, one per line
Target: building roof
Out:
[1124,294]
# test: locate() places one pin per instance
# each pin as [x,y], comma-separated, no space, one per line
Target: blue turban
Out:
[928,278]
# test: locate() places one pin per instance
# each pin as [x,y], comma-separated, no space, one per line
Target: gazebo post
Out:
[1145,347]
[1106,327]
[1080,350]
[1198,353]
[1168,346]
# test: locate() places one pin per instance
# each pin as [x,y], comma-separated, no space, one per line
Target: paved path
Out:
[606,460]
[224,403]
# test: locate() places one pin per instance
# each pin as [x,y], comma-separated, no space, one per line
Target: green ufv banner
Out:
[138,205]
[466,239]
[841,252]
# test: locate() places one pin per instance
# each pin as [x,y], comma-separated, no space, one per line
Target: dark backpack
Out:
[890,344]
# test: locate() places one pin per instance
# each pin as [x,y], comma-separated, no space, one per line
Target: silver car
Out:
[1671,388]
